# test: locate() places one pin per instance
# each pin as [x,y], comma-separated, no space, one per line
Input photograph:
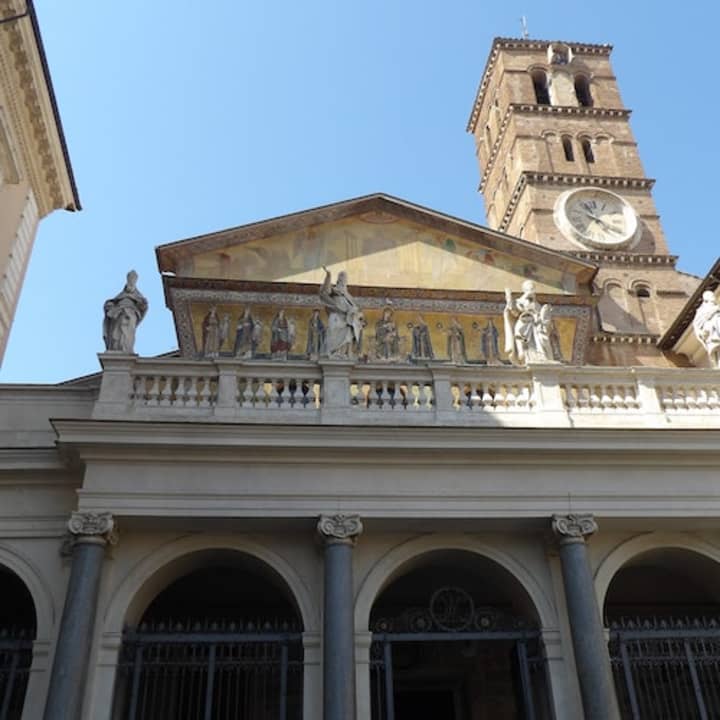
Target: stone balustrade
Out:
[331,392]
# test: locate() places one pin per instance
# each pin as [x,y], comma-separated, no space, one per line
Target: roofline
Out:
[515,43]
[534,247]
[54,105]
[710,282]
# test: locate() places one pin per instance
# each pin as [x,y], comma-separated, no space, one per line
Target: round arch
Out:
[630,549]
[38,589]
[156,571]
[393,562]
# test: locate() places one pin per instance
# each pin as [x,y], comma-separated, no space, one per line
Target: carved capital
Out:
[339,528]
[93,527]
[573,528]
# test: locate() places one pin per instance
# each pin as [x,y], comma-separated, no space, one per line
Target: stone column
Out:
[90,533]
[339,533]
[591,654]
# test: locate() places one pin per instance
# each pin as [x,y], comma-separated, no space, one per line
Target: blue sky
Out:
[185,118]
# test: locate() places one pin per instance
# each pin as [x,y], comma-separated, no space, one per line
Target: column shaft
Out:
[591,654]
[72,652]
[338,635]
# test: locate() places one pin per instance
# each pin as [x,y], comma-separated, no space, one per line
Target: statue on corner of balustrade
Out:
[706,325]
[123,313]
[343,335]
[528,327]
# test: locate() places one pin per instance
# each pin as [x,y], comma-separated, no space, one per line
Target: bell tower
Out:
[559,166]
[558,160]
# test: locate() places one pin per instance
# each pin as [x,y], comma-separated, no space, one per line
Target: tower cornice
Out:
[568,179]
[523,44]
[529,109]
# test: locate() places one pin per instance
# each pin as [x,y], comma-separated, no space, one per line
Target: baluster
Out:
[691,398]
[317,394]
[606,402]
[455,393]
[285,400]
[165,394]
[475,395]
[570,399]
[415,394]
[511,397]
[154,391]
[666,398]
[429,399]
[523,398]
[204,400]
[248,396]
[385,397]
[631,401]
[500,397]
[594,398]
[583,393]
[138,390]
[191,391]
[487,398]
[366,391]
[702,400]
[713,400]
[679,400]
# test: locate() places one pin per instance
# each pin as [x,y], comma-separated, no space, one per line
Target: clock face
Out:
[596,218]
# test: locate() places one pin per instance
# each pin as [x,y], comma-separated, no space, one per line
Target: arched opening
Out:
[540,85]
[663,610]
[582,91]
[17,631]
[455,636]
[587,150]
[222,640]
[568,148]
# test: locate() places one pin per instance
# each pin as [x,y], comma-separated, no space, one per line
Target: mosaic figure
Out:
[421,342]
[528,326]
[282,336]
[315,336]
[123,313]
[489,344]
[211,334]
[456,343]
[387,340]
[343,335]
[247,336]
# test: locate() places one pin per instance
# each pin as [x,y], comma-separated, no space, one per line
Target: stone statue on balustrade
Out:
[247,336]
[282,335]
[315,336]
[456,350]
[343,335]
[123,313]
[706,325]
[528,326]
[214,333]
[422,348]
[387,338]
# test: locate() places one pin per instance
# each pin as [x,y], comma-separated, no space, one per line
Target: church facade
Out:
[400,466]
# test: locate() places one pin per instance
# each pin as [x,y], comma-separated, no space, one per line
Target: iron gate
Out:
[452,618]
[667,669]
[15,661]
[216,674]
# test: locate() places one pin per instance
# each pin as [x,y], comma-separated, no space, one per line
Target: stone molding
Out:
[574,527]
[92,527]
[343,529]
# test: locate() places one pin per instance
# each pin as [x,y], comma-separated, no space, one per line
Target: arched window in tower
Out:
[582,91]
[540,83]
[568,148]
[587,150]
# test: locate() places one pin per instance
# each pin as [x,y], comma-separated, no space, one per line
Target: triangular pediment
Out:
[380,242]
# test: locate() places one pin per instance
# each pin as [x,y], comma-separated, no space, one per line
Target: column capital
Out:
[343,529]
[573,528]
[93,527]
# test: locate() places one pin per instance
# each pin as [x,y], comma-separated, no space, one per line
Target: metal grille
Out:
[452,617]
[667,669]
[15,661]
[216,674]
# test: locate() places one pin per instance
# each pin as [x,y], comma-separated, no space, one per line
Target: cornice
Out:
[567,179]
[625,339]
[625,258]
[562,110]
[34,114]
[523,44]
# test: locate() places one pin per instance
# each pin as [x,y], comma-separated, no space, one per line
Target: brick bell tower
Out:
[560,167]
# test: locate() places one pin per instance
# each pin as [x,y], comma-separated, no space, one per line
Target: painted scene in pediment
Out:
[377,249]
[460,334]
